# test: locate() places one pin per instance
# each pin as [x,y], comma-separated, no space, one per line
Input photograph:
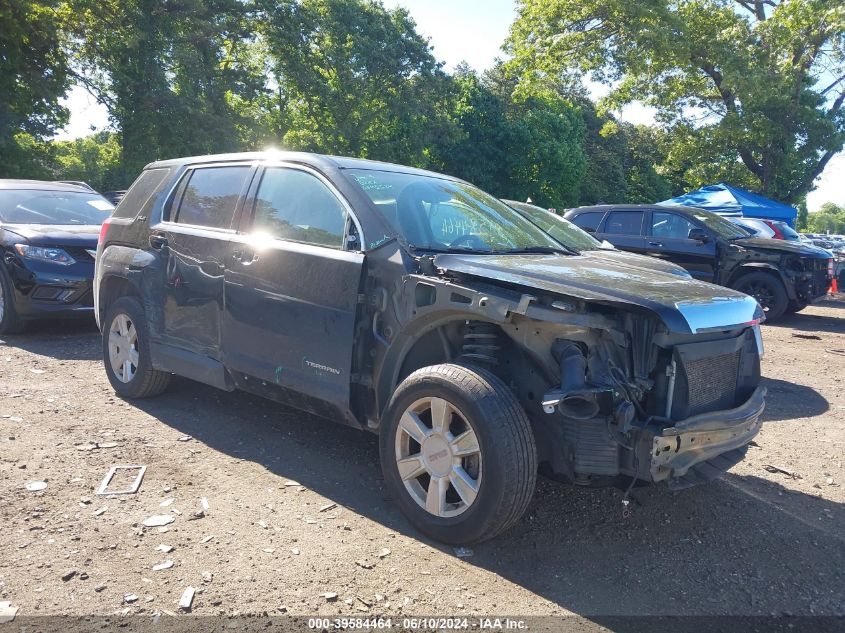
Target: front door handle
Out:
[658,244]
[157,241]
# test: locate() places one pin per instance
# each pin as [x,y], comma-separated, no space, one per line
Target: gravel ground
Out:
[297,520]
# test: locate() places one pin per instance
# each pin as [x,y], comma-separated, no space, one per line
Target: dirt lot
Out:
[296,507]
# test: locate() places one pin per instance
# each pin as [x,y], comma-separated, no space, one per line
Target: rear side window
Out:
[294,205]
[210,196]
[624,223]
[141,193]
[588,221]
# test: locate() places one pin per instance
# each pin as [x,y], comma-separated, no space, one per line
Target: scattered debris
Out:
[330,596]
[364,564]
[35,486]
[328,506]
[129,598]
[291,482]
[165,548]
[268,550]
[204,503]
[132,489]
[199,514]
[383,552]
[463,552]
[70,573]
[7,612]
[780,469]
[158,520]
[83,576]
[95,445]
[810,337]
[294,551]
[206,539]
[207,576]
[166,503]
[184,438]
[162,566]
[85,500]
[100,511]
[100,587]
[187,598]
[840,352]
[262,525]
[36,371]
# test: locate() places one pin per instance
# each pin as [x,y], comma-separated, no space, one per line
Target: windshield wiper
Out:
[454,249]
[542,250]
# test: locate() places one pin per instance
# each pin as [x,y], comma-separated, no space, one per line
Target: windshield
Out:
[719,225]
[30,206]
[559,228]
[436,214]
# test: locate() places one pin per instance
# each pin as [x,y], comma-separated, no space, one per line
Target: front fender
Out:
[764,266]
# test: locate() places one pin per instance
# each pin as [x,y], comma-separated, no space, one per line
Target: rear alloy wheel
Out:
[768,290]
[458,453]
[126,352]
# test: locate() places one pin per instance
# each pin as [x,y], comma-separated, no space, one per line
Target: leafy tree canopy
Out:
[752,90]
[33,78]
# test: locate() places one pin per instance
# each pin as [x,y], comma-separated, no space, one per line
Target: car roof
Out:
[307,158]
[42,185]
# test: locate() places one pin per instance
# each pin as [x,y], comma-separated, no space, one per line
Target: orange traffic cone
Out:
[834,287]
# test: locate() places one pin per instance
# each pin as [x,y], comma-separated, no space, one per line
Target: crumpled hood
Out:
[684,305]
[84,236]
[637,261]
[782,246]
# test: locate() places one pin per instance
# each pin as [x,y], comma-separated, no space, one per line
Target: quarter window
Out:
[294,205]
[625,223]
[210,196]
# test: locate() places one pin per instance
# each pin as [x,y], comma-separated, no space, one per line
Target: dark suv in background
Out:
[416,306]
[783,276]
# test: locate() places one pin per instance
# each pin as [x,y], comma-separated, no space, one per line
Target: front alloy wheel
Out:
[457,452]
[438,457]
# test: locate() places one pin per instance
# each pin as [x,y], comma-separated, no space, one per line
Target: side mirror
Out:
[699,235]
[588,229]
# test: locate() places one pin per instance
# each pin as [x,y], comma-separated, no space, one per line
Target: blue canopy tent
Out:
[724,198]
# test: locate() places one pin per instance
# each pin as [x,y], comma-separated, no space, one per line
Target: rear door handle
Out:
[659,244]
[158,242]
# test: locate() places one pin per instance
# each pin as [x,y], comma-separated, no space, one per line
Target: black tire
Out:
[10,322]
[146,381]
[768,290]
[795,306]
[508,455]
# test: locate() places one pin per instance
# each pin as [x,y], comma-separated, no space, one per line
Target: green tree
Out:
[33,78]
[829,219]
[167,71]
[353,78]
[518,146]
[95,159]
[752,90]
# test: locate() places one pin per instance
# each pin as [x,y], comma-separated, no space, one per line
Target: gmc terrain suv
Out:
[418,307]
[783,276]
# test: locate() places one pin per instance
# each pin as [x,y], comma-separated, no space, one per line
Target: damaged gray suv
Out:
[416,306]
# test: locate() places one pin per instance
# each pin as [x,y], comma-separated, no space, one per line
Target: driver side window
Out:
[670,225]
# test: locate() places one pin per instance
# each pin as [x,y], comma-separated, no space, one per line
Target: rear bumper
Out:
[704,438]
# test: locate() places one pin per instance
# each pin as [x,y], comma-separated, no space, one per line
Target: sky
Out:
[461,30]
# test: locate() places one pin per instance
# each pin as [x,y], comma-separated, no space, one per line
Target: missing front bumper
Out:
[704,439]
